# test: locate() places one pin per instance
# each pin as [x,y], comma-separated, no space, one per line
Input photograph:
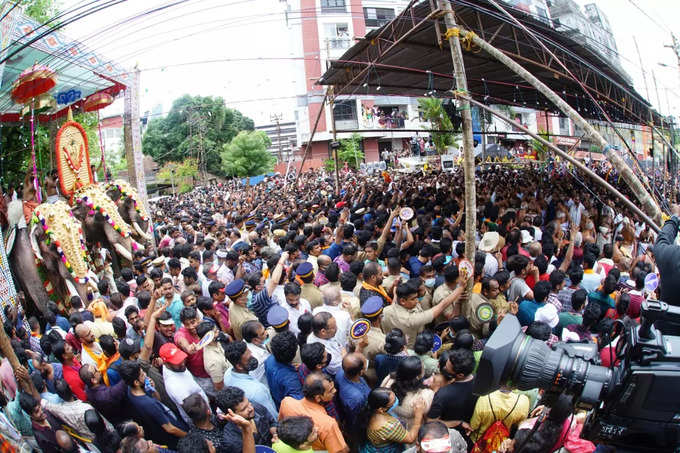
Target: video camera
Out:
[634,404]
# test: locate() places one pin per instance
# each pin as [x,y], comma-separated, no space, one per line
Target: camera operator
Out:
[667,257]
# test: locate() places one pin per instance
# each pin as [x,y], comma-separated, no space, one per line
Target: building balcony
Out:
[338,43]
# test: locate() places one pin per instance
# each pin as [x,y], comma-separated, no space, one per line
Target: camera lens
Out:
[512,357]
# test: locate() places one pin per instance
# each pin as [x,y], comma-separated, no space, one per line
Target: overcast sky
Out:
[165,45]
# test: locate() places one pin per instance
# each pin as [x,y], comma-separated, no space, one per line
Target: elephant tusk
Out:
[122,251]
[139,231]
[34,243]
[71,288]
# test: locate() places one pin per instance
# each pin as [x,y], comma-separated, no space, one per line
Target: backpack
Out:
[495,434]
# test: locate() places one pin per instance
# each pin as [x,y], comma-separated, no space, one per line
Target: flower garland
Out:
[125,193]
[70,163]
[39,218]
[94,207]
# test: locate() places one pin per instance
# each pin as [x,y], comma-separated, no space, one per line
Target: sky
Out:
[252,54]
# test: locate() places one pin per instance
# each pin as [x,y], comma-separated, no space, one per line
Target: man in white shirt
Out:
[256,338]
[324,329]
[576,209]
[179,383]
[294,305]
[332,298]
[224,273]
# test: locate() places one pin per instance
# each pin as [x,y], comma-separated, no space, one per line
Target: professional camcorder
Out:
[634,405]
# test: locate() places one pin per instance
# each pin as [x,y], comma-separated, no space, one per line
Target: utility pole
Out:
[676,49]
[276,118]
[642,67]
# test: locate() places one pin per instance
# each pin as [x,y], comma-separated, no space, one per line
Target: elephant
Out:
[102,224]
[131,209]
[46,255]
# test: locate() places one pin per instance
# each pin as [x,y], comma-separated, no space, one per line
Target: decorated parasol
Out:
[96,102]
[34,81]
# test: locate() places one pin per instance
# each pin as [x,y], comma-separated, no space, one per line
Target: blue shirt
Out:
[334,250]
[260,305]
[526,313]
[283,380]
[254,390]
[352,395]
[414,265]
[61,322]
[175,308]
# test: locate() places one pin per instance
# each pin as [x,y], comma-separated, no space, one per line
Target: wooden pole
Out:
[334,143]
[311,137]
[468,145]
[574,161]
[646,201]
[8,351]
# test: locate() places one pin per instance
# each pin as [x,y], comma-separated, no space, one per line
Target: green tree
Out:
[541,150]
[349,151]
[193,124]
[180,174]
[433,112]
[246,155]
[41,10]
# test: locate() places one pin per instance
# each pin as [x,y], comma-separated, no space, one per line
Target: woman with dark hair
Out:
[407,384]
[423,350]
[383,432]
[395,352]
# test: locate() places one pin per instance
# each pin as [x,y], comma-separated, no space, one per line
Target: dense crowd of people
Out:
[239,329]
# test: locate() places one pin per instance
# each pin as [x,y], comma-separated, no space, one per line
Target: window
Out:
[564,126]
[377,17]
[345,110]
[337,36]
[332,6]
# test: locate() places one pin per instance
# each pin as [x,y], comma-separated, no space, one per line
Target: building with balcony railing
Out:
[328,28]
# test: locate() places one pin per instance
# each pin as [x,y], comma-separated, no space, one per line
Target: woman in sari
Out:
[384,432]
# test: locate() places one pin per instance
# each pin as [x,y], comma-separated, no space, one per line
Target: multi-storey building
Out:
[283,137]
[328,28]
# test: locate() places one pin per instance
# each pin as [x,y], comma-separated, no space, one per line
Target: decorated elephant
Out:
[47,256]
[131,209]
[103,224]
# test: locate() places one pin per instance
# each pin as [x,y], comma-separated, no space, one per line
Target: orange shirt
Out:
[330,438]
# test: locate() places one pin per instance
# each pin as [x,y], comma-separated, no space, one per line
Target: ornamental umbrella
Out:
[33,82]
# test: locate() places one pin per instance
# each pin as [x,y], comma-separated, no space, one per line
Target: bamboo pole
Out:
[8,351]
[468,146]
[311,137]
[647,202]
[570,159]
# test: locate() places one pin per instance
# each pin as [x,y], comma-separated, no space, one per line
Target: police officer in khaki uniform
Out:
[309,291]
[409,316]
